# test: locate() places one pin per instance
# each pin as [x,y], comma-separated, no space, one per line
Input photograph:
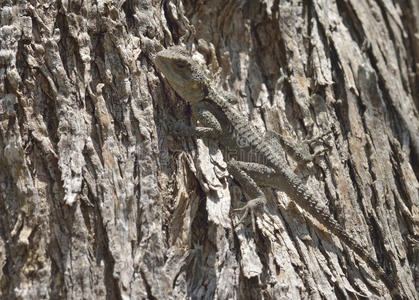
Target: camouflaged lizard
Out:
[220,120]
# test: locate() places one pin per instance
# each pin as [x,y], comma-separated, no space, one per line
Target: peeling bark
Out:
[99,201]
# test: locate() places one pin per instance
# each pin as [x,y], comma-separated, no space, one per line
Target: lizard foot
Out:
[250,206]
[177,128]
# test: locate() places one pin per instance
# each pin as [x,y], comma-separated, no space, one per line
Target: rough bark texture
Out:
[97,202]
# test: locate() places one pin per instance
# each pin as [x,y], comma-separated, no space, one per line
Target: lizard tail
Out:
[308,202]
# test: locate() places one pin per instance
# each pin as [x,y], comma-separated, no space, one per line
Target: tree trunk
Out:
[99,201]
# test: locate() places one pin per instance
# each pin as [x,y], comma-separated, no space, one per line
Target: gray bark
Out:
[98,201]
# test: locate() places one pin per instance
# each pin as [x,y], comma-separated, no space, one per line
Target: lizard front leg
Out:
[209,126]
[178,128]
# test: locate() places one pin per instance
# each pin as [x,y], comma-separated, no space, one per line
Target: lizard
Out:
[220,120]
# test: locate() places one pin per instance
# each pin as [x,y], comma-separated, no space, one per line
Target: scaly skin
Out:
[189,80]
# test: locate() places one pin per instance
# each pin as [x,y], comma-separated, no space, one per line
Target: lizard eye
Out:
[180,65]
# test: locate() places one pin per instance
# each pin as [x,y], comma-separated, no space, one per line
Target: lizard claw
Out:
[173,126]
[170,121]
[250,206]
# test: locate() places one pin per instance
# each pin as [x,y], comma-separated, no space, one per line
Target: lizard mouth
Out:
[159,62]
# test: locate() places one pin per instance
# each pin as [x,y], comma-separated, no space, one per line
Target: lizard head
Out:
[184,75]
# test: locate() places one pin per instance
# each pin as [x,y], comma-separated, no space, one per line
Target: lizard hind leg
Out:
[251,190]
[300,152]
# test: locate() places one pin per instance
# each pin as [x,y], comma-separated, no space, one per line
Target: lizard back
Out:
[291,184]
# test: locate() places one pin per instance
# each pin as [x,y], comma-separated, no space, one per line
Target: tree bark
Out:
[99,201]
